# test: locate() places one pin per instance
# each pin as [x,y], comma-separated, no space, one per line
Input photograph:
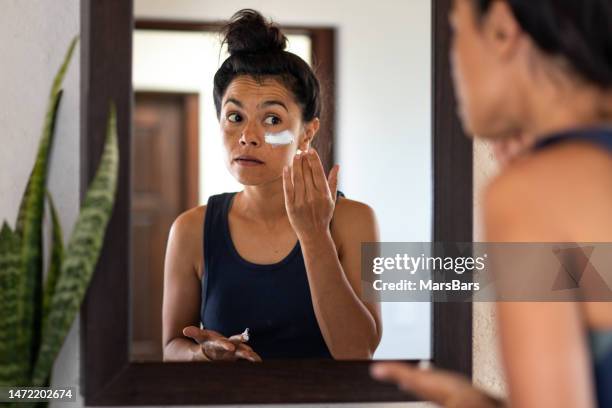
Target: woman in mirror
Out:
[272,271]
[538,75]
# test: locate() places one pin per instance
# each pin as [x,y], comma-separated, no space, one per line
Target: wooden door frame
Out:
[188,103]
[107,374]
[191,170]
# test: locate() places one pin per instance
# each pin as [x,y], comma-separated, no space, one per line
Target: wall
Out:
[35,35]
[487,366]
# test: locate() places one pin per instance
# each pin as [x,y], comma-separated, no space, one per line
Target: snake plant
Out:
[36,315]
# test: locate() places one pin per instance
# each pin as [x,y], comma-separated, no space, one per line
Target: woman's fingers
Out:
[318,173]
[333,181]
[216,350]
[217,347]
[298,179]
[508,149]
[431,385]
[287,185]
[247,353]
[204,336]
[309,186]
[196,333]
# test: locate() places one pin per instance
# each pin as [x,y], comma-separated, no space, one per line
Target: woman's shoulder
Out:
[187,228]
[186,235]
[353,220]
[347,209]
[551,189]
[191,222]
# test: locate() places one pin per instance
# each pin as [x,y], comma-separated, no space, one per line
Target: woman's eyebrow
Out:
[270,103]
[234,101]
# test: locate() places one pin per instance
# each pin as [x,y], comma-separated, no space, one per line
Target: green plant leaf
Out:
[81,255]
[57,257]
[45,142]
[29,228]
[12,370]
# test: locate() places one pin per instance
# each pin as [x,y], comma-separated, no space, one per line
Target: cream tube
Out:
[279,139]
[242,337]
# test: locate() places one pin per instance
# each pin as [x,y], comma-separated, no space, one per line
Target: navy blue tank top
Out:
[272,300]
[600,340]
[600,136]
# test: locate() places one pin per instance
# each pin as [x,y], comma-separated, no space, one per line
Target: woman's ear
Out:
[502,30]
[310,131]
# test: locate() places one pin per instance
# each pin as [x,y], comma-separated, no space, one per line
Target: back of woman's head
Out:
[257,49]
[578,30]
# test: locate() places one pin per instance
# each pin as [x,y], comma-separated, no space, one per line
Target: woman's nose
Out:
[250,136]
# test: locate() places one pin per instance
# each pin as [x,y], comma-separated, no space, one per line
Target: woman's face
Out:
[251,110]
[483,55]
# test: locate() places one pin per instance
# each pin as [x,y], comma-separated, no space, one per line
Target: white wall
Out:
[35,35]
[486,354]
[383,139]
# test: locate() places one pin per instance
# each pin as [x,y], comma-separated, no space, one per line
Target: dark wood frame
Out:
[107,374]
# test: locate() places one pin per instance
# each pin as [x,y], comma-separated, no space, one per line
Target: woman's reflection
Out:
[280,258]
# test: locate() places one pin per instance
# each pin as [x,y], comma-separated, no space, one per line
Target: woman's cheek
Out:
[466,83]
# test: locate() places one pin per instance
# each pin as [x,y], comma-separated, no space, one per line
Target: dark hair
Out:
[578,30]
[257,49]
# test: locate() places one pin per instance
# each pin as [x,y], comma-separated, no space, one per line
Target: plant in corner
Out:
[36,315]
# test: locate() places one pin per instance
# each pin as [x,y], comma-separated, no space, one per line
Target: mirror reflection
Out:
[267,146]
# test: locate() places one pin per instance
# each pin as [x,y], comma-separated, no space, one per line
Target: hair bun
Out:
[248,32]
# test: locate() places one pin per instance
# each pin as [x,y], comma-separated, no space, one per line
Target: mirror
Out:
[374,64]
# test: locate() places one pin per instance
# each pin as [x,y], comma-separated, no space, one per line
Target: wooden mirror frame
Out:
[108,377]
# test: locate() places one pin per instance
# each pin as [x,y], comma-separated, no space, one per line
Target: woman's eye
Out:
[234,117]
[272,120]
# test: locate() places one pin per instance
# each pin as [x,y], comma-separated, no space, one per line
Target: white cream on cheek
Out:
[283,138]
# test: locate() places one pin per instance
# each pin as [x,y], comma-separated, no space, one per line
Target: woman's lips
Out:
[248,162]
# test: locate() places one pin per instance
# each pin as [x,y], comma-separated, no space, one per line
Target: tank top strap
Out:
[217,208]
[214,225]
[600,136]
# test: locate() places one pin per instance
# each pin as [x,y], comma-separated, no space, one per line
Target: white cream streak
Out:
[281,138]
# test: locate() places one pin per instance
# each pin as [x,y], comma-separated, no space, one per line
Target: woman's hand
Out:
[214,346]
[441,387]
[310,198]
[508,149]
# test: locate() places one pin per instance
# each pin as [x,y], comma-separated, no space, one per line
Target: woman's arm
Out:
[182,290]
[546,359]
[351,328]
[543,344]
[183,340]
[544,353]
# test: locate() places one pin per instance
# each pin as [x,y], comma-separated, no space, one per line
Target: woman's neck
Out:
[265,202]
[553,109]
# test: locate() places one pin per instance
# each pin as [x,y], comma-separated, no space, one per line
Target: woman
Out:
[280,258]
[542,70]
